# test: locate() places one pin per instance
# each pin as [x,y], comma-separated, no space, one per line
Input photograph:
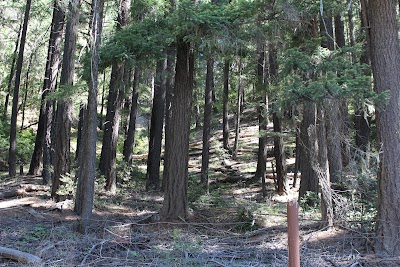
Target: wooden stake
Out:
[293,233]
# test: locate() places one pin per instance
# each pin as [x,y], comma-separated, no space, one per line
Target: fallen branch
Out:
[25,188]
[22,257]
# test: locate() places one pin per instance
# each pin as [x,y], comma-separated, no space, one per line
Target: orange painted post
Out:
[293,233]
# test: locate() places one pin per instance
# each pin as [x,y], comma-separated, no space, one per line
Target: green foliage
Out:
[314,73]
[68,185]
[310,201]
[25,143]
[39,232]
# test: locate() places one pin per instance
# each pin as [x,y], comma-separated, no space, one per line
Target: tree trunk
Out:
[168,104]
[12,156]
[102,101]
[175,203]
[309,179]
[156,128]
[262,115]
[87,164]
[205,158]
[225,116]
[63,115]
[115,97]
[130,136]
[12,72]
[238,111]
[385,58]
[49,85]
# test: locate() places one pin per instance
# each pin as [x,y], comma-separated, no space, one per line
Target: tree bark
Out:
[116,95]
[385,58]
[156,127]
[175,203]
[225,116]
[87,164]
[130,136]
[238,111]
[12,155]
[63,115]
[12,72]
[205,158]
[262,115]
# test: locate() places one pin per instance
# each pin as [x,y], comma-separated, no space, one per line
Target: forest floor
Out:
[233,225]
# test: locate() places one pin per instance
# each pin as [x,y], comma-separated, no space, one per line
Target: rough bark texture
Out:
[130,136]
[12,155]
[87,164]
[385,58]
[309,179]
[168,106]
[175,203]
[205,158]
[156,127]
[225,116]
[63,115]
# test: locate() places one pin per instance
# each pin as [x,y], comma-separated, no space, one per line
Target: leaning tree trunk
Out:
[12,155]
[156,127]
[130,136]
[176,160]
[87,164]
[49,84]
[385,58]
[63,115]
[205,156]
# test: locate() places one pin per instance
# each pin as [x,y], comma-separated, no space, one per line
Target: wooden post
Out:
[293,233]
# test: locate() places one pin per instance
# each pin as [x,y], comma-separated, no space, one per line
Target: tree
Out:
[205,156]
[62,133]
[130,136]
[175,204]
[225,115]
[49,85]
[12,155]
[385,58]
[107,164]
[87,164]
[156,126]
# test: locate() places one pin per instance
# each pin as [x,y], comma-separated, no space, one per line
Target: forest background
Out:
[91,91]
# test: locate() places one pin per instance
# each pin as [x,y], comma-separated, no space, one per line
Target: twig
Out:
[91,250]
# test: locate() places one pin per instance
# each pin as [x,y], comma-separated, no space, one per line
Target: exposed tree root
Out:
[22,257]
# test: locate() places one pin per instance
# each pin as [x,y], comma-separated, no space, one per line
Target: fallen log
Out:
[233,179]
[22,257]
[25,188]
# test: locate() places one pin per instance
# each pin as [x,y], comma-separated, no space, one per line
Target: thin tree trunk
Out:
[205,159]
[130,136]
[238,111]
[49,85]
[12,72]
[63,115]
[102,101]
[156,128]
[262,115]
[87,164]
[385,58]
[176,160]
[12,155]
[225,116]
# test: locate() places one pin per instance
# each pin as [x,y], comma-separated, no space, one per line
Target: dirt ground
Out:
[126,232]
